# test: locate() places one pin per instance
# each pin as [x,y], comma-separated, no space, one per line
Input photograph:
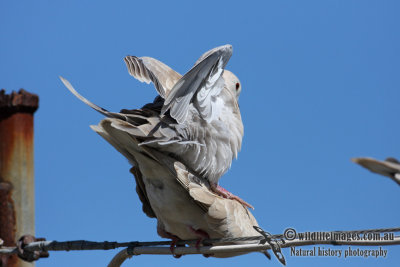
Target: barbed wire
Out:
[274,242]
[107,245]
[210,246]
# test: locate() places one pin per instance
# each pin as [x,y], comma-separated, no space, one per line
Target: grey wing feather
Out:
[204,79]
[147,69]
[225,216]
[206,54]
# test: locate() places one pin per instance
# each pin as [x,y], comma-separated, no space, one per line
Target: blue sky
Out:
[320,86]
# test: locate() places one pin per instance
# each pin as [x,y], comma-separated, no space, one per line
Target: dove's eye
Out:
[237,86]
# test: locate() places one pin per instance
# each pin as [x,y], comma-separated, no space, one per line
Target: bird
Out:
[154,139]
[183,204]
[390,167]
[195,118]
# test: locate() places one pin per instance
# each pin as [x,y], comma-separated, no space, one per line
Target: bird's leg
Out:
[201,236]
[175,239]
[219,190]
[161,232]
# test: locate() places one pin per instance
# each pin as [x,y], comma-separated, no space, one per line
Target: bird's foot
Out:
[174,240]
[219,190]
[201,236]
[173,246]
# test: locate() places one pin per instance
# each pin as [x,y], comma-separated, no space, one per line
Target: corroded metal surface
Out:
[16,168]
[7,223]
[22,101]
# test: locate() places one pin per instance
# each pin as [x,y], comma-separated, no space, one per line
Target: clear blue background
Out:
[320,86]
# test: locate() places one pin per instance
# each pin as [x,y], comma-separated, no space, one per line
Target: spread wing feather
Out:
[199,86]
[147,69]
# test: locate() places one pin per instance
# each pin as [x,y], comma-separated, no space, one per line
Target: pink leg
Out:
[174,238]
[219,190]
[200,234]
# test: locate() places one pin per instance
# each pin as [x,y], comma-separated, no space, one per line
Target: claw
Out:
[201,236]
[173,246]
[174,240]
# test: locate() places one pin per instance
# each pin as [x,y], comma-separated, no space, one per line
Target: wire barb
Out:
[274,243]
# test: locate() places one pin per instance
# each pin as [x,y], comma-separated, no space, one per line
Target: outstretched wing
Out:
[200,86]
[389,167]
[147,69]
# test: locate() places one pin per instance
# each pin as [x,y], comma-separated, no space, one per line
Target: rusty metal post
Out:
[17,203]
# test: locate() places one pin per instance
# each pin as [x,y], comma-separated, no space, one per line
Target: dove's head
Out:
[232,83]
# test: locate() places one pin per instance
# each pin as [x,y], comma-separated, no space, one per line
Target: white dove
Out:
[184,206]
[196,117]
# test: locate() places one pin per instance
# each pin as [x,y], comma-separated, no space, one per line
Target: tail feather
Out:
[127,146]
[90,104]
[122,140]
[145,124]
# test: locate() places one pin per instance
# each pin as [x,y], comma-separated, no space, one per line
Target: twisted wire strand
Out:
[106,245]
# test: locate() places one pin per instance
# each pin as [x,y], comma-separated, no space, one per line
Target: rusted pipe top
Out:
[22,101]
